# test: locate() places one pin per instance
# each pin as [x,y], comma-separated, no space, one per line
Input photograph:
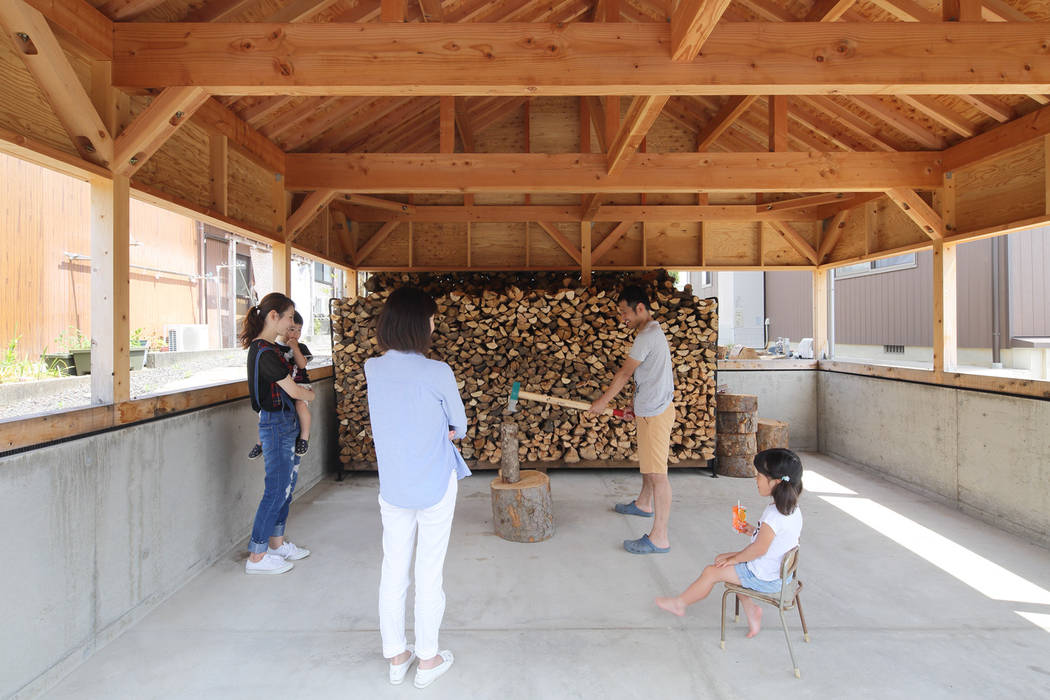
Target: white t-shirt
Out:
[786,529]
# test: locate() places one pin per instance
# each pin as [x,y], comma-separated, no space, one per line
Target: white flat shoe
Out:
[399,671]
[426,676]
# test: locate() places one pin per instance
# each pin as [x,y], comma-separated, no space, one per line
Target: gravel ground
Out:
[76,393]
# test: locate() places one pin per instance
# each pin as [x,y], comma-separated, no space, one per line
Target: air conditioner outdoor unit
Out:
[187,336]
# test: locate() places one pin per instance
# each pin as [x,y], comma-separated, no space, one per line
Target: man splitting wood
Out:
[650,363]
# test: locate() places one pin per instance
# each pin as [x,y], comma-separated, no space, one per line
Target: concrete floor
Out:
[574,618]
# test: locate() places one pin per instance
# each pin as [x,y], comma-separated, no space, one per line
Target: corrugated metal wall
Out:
[1029,255]
[789,305]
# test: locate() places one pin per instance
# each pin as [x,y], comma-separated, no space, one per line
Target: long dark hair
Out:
[255,319]
[404,323]
[785,468]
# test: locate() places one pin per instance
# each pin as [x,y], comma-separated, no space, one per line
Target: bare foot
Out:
[672,605]
[754,620]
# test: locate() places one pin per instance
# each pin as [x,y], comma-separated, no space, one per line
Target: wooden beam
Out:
[989,144]
[88,31]
[561,240]
[820,314]
[314,203]
[804,202]
[219,172]
[585,253]
[636,124]
[945,308]
[154,125]
[795,239]
[961,10]
[38,48]
[832,235]
[300,10]
[372,173]
[590,205]
[666,213]
[213,117]
[990,106]
[214,10]
[381,204]
[432,10]
[691,23]
[392,10]
[372,243]
[587,59]
[610,240]
[778,123]
[899,121]
[466,133]
[828,10]
[850,120]
[723,119]
[448,124]
[918,211]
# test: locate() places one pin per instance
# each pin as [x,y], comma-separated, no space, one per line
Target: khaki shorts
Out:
[654,441]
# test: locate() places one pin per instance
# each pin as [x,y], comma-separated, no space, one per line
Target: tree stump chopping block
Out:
[772,433]
[736,465]
[737,441]
[522,511]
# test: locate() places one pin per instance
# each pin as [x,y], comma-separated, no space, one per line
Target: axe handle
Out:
[557,401]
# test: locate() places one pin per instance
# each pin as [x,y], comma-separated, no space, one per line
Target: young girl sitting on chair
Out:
[756,566]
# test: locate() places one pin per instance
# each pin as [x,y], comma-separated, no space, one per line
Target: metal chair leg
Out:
[805,630]
[722,644]
[783,623]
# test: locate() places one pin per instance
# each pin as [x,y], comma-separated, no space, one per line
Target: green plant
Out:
[14,368]
[138,337]
[72,339]
[156,341]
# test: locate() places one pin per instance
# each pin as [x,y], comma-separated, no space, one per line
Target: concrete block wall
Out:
[985,453]
[101,529]
[789,395]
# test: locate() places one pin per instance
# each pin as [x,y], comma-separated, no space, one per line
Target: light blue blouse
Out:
[413,402]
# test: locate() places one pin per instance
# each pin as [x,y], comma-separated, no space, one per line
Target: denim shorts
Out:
[749,580]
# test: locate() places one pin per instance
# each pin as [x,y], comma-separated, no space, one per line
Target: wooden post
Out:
[945,315]
[219,171]
[282,254]
[110,296]
[509,466]
[585,252]
[820,313]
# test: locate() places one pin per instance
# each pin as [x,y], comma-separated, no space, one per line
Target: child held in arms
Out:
[297,355]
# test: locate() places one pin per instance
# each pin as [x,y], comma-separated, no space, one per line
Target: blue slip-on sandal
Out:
[631,509]
[643,545]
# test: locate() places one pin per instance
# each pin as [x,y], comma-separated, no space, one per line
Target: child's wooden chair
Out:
[785,600]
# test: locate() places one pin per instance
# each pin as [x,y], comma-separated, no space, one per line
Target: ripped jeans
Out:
[277,433]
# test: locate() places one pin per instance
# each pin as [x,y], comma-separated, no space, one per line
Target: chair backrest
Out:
[789,563]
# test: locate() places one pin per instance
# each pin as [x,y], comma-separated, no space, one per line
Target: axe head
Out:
[512,401]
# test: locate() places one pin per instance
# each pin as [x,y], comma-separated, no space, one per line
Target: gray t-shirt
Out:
[653,379]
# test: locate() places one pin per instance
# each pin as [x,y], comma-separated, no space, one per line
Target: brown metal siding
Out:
[789,305]
[974,294]
[888,308]
[1029,256]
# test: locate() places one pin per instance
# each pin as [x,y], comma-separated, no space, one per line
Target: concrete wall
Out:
[984,453]
[789,395]
[103,528]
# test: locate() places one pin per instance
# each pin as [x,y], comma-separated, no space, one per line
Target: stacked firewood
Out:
[554,338]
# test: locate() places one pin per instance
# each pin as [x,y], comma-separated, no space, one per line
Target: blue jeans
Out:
[277,433]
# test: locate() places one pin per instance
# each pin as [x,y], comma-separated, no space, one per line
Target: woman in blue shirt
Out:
[416,412]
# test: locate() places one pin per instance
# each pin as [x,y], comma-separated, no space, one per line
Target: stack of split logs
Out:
[553,337]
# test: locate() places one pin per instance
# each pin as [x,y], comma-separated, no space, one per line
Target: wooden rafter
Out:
[432,10]
[307,212]
[289,118]
[89,31]
[899,121]
[463,126]
[364,200]
[795,239]
[849,119]
[665,213]
[990,106]
[940,114]
[730,111]
[804,202]
[339,136]
[832,235]
[320,122]
[997,140]
[265,107]
[561,240]
[920,58]
[38,48]
[300,10]
[691,23]
[610,240]
[828,10]
[916,209]
[374,242]
[639,118]
[573,172]
[215,118]
[154,125]
[214,10]
[127,9]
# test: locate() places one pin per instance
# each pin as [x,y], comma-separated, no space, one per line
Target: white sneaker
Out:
[289,552]
[426,676]
[399,671]
[269,564]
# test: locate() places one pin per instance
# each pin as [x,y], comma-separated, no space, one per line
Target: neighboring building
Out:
[883,310]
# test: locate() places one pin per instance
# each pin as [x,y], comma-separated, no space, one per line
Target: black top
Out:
[266,396]
[299,374]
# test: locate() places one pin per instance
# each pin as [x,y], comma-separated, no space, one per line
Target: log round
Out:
[730,423]
[737,403]
[522,511]
[736,465]
[736,445]
[772,433]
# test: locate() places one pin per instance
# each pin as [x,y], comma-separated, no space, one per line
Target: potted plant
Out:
[139,343]
[60,361]
[79,346]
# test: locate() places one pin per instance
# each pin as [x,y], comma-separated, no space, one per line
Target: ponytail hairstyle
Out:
[255,319]
[785,468]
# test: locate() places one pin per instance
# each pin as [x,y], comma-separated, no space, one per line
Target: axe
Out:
[516,393]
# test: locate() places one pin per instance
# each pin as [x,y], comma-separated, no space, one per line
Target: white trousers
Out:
[400,526]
